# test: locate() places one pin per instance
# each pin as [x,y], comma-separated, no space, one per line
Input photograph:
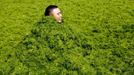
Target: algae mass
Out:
[50,48]
[96,38]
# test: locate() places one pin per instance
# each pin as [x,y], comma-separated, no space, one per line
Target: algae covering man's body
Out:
[48,48]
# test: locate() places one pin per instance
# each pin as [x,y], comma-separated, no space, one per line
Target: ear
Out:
[51,13]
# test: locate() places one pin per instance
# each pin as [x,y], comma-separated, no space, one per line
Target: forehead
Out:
[56,10]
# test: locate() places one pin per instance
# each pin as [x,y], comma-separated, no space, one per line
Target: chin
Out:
[59,21]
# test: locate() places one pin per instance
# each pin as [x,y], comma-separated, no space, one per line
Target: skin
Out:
[56,13]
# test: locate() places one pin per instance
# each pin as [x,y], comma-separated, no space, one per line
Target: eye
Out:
[59,13]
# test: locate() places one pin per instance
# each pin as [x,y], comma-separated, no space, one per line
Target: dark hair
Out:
[49,8]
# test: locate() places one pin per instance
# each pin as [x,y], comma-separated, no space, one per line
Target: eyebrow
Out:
[59,12]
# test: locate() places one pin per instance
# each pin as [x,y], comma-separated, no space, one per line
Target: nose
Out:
[60,15]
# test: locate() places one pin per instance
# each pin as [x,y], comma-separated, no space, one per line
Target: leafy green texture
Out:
[96,38]
[54,49]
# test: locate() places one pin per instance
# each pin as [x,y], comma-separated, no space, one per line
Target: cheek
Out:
[57,16]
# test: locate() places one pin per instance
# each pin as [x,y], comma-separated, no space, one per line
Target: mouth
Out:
[61,20]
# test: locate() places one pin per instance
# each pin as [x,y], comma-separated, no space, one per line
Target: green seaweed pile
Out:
[54,49]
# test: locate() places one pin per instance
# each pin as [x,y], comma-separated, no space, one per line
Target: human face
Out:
[57,14]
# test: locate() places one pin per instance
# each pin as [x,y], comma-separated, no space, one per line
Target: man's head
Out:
[53,10]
